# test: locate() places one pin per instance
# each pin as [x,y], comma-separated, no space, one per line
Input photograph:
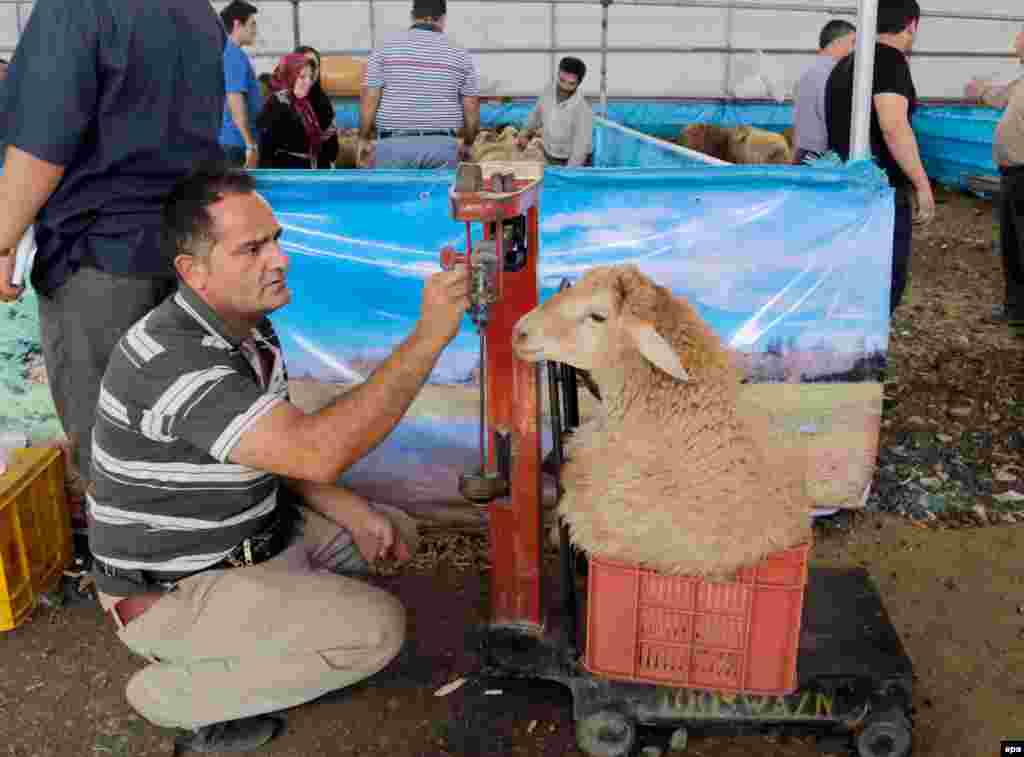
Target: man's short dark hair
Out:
[237,10]
[188,226]
[573,66]
[429,8]
[835,29]
[896,15]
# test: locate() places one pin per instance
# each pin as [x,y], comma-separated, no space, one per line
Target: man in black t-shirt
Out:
[893,143]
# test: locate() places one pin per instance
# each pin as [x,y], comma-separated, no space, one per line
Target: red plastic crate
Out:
[735,636]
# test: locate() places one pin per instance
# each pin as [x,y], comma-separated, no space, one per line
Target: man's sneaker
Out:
[232,735]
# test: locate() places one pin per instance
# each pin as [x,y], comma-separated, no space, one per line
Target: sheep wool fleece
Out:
[678,475]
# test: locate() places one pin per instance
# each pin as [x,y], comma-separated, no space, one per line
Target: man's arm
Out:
[369,102]
[533,125]
[993,95]
[240,115]
[45,133]
[373,532]
[25,185]
[322,446]
[894,119]
[470,119]
[582,136]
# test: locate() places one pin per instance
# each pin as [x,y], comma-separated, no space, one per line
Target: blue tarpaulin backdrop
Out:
[955,140]
[788,264]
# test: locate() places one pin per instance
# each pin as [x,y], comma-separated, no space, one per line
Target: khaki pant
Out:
[228,644]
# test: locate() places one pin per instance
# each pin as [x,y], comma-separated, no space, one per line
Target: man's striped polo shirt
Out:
[178,394]
[424,78]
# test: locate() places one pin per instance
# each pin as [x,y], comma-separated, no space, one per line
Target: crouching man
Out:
[222,545]
[563,118]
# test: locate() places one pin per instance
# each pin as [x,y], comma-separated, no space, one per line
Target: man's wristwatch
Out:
[251,148]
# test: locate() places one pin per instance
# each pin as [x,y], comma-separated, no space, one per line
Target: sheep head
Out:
[599,325]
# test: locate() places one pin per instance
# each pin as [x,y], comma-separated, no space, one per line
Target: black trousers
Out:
[902,238]
[1011,243]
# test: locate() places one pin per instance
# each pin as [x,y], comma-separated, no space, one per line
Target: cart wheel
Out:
[885,734]
[606,733]
[680,738]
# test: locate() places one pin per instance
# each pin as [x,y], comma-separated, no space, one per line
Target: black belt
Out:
[386,133]
[1012,170]
[253,550]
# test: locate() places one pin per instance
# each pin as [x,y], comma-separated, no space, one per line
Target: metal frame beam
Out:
[848,10]
[696,49]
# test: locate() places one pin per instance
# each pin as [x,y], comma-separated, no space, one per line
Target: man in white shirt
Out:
[1008,155]
[810,138]
[564,119]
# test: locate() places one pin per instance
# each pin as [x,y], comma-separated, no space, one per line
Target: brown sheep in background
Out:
[348,142]
[789,134]
[670,474]
[750,146]
[743,145]
[709,139]
[495,146]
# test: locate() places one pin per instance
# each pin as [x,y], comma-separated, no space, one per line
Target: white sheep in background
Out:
[670,474]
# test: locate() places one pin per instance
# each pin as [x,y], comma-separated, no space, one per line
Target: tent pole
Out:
[604,57]
[863,79]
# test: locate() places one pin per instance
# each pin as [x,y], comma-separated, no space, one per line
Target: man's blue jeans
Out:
[417,152]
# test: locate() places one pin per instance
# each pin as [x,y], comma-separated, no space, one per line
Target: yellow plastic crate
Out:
[35,531]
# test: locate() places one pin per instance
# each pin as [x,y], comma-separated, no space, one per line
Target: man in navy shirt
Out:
[244,96]
[106,105]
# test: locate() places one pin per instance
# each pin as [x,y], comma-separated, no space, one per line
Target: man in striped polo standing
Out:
[221,542]
[422,93]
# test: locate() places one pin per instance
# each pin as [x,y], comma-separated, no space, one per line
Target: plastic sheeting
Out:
[790,265]
[616,146]
[955,140]
[658,118]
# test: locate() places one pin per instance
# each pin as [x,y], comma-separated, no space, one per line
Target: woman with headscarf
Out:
[322,107]
[290,133]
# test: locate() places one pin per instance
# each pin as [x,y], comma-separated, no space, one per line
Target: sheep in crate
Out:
[673,473]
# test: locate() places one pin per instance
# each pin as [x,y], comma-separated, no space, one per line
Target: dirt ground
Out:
[941,542]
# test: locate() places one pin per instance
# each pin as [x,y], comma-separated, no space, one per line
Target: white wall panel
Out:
[578,25]
[946,77]
[519,73]
[275,27]
[336,26]
[1008,7]
[9,25]
[391,17]
[345,25]
[497,25]
[760,29]
[664,74]
[957,34]
[666,27]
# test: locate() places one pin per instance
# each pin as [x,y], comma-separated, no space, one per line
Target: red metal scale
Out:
[854,681]
[490,196]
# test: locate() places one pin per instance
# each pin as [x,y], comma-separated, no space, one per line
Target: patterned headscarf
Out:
[282,83]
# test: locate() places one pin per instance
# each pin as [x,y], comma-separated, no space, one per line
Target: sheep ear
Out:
[654,347]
